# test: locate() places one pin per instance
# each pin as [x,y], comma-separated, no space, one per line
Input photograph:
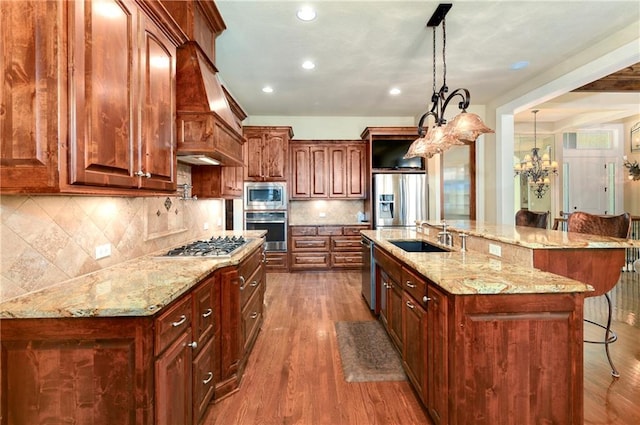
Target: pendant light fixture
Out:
[465,127]
[536,168]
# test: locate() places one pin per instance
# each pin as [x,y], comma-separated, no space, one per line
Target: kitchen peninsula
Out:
[148,341]
[487,337]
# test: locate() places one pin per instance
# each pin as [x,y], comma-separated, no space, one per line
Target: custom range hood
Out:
[208,131]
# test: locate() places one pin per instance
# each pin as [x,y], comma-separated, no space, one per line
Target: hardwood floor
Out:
[294,375]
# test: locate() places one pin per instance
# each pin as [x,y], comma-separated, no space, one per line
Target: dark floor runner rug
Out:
[366,353]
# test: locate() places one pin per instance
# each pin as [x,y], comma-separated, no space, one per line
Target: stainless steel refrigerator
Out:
[399,199]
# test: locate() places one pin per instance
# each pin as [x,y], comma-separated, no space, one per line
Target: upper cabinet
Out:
[265,153]
[97,118]
[328,169]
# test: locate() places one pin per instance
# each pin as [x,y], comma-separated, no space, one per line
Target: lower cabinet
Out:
[277,261]
[150,370]
[325,247]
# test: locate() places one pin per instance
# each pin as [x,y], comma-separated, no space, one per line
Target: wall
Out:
[45,240]
[631,188]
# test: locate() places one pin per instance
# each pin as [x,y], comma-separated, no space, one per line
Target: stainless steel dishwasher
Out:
[368,273]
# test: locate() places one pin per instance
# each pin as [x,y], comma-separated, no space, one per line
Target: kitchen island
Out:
[148,341]
[488,339]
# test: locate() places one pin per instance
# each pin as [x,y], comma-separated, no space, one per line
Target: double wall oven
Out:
[265,208]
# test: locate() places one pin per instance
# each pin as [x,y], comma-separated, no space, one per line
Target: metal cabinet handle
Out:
[426,299]
[242,282]
[142,174]
[254,315]
[264,257]
[410,285]
[207,313]
[208,379]
[193,345]
[183,319]
[411,306]
[254,283]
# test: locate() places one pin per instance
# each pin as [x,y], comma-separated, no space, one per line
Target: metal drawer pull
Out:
[208,379]
[254,315]
[207,313]
[242,282]
[254,283]
[142,174]
[411,306]
[264,257]
[183,319]
[426,299]
[193,345]
[410,285]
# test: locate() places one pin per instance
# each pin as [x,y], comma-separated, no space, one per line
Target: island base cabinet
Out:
[517,359]
[173,388]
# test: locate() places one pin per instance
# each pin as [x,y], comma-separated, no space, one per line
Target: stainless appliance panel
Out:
[274,222]
[399,199]
[265,196]
[368,274]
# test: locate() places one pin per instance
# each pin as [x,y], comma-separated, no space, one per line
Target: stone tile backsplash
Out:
[45,240]
[319,212]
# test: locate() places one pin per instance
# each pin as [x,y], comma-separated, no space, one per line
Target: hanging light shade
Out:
[467,127]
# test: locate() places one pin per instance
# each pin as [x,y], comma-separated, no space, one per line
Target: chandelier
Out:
[536,168]
[633,167]
[465,127]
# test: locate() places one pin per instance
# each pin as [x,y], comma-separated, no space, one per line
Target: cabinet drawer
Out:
[346,243]
[346,259]
[204,380]
[171,323]
[303,230]
[250,264]
[353,230]
[309,260]
[414,284]
[248,287]
[390,265]
[306,243]
[329,230]
[277,261]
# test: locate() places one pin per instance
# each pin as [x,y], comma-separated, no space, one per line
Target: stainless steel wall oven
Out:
[274,222]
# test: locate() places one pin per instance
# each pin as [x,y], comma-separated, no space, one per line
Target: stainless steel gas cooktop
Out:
[220,246]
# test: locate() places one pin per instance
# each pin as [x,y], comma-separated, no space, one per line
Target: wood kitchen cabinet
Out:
[87,139]
[265,153]
[436,346]
[325,247]
[390,273]
[217,182]
[328,169]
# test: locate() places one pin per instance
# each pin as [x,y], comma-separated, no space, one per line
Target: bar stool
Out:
[532,218]
[618,226]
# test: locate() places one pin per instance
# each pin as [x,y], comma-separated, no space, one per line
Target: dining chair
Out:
[617,226]
[532,218]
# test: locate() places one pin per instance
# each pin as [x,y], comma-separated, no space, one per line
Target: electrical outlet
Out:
[205,226]
[103,251]
[495,250]
[322,214]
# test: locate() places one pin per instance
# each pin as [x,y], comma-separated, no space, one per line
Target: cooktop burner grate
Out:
[221,246]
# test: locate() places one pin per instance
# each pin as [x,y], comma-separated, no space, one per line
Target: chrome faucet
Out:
[445,237]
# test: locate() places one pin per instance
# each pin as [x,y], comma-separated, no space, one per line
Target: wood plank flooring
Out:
[294,376]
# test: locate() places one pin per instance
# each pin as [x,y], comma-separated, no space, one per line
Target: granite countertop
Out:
[531,237]
[138,287]
[473,273]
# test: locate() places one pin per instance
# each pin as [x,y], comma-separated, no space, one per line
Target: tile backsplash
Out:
[320,212]
[45,240]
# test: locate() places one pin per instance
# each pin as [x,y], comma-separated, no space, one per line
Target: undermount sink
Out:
[417,246]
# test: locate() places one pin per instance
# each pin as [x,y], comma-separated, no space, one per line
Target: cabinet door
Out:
[413,327]
[319,172]
[103,140]
[203,312]
[394,307]
[254,157]
[437,365]
[30,96]
[230,352]
[203,380]
[356,172]
[173,403]
[157,146]
[300,172]
[231,182]
[383,288]
[274,157]
[338,186]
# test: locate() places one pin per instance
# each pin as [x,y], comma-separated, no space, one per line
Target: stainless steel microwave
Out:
[265,196]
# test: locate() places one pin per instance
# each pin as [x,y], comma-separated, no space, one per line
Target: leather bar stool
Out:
[618,226]
[532,218]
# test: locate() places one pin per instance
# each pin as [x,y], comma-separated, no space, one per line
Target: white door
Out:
[591,186]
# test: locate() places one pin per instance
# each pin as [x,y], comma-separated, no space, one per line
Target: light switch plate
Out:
[495,250]
[103,251]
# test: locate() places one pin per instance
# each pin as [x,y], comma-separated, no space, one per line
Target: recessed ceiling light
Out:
[395,91]
[267,89]
[308,65]
[519,65]
[306,13]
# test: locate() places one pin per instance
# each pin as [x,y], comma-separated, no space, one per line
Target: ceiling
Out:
[362,49]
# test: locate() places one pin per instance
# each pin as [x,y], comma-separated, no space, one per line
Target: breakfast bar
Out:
[500,323]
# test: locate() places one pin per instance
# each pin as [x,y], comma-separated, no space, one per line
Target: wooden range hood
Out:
[207,127]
